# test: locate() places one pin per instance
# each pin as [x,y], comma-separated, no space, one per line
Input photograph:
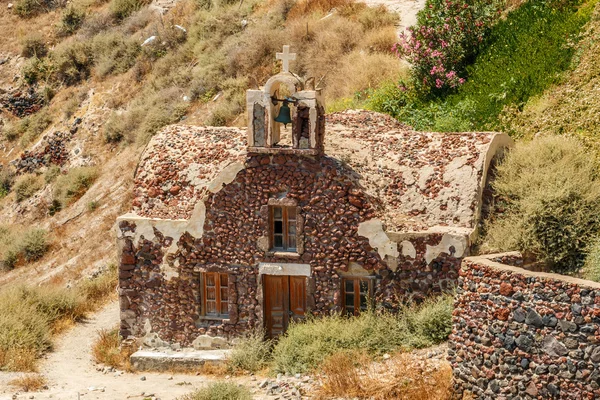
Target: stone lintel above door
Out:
[284,269]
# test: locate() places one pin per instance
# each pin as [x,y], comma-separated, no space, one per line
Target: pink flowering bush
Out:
[445,39]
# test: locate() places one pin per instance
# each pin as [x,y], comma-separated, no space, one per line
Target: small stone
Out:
[533,318]
[553,347]
[143,378]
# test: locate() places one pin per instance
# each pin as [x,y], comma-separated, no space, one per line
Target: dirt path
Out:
[72,374]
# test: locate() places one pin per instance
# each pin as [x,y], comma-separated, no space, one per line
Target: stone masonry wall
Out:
[519,334]
[235,240]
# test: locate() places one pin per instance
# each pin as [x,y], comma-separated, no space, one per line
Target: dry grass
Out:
[29,382]
[403,377]
[107,350]
[18,359]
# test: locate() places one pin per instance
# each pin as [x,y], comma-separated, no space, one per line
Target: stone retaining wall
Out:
[519,334]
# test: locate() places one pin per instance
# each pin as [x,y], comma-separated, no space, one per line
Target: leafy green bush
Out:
[252,353]
[26,186]
[71,186]
[71,20]
[444,41]
[220,391]
[549,195]
[307,344]
[524,54]
[34,46]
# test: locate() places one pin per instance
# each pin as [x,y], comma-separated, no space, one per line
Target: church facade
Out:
[233,229]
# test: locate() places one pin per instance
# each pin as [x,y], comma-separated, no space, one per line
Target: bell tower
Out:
[285,103]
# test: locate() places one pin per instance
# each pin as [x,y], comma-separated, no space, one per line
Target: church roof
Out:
[422,179]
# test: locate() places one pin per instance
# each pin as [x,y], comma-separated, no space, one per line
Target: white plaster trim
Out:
[408,249]
[284,269]
[227,175]
[458,241]
[378,239]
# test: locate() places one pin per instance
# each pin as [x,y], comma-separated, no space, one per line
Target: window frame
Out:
[285,235]
[219,287]
[356,289]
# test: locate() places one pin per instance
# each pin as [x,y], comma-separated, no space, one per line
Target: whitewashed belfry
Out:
[282,94]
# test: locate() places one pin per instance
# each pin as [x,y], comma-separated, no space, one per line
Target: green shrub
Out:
[523,54]
[72,62]
[71,20]
[549,193]
[36,70]
[34,244]
[16,245]
[30,8]
[26,186]
[7,179]
[34,46]
[122,9]
[307,344]
[252,353]
[114,53]
[34,125]
[220,391]
[71,186]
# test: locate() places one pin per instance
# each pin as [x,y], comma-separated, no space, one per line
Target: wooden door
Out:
[285,299]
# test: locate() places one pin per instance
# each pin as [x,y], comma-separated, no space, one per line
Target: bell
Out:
[284,116]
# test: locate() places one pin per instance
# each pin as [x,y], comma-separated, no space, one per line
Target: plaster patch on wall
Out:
[408,249]
[227,175]
[459,242]
[168,228]
[378,239]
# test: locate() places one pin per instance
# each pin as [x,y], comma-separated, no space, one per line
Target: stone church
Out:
[301,213]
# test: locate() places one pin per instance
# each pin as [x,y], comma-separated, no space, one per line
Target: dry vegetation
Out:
[30,316]
[29,382]
[402,377]
[107,350]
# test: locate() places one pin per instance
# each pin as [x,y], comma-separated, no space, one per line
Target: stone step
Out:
[155,360]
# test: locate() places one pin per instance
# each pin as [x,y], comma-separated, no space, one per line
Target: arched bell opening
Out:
[281,90]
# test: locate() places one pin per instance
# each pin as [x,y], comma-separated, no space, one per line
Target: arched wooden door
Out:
[285,300]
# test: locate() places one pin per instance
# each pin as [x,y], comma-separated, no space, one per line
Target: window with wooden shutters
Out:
[216,295]
[357,292]
[283,228]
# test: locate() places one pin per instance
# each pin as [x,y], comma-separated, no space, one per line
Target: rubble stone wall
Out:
[519,334]
[234,240]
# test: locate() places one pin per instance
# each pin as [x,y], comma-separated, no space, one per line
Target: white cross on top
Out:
[285,57]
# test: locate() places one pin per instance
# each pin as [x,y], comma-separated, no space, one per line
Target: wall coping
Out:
[487,261]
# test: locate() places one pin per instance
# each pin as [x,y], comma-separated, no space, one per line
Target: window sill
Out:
[210,318]
[284,254]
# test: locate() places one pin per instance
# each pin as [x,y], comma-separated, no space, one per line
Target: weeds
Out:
[71,20]
[26,186]
[219,391]
[72,185]
[29,382]
[107,350]
[306,345]
[29,316]
[252,353]
[352,375]
[34,46]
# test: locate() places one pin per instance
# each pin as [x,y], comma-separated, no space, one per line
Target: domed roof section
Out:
[422,179]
